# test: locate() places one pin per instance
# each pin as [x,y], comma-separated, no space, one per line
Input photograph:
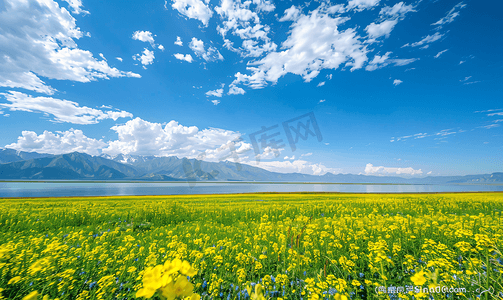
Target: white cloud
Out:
[496,114]
[442,134]
[160,47]
[38,40]
[397,82]
[329,76]
[398,10]
[234,90]
[264,5]
[306,154]
[382,61]
[60,142]
[178,41]
[371,170]
[384,28]
[216,93]
[321,84]
[296,166]
[186,57]
[490,126]
[211,54]
[76,6]
[451,15]
[322,100]
[429,172]
[215,102]
[440,53]
[314,43]
[291,14]
[426,40]
[146,58]
[194,9]
[244,23]
[141,137]
[144,36]
[62,110]
[119,59]
[466,79]
[362,4]
[289,158]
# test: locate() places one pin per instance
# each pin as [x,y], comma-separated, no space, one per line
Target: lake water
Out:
[62,189]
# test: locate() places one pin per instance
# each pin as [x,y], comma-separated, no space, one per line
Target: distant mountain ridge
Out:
[79,166]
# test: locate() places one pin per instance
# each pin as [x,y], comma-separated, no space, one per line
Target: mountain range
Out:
[18,165]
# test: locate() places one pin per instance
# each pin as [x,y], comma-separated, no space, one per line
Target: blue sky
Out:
[410,88]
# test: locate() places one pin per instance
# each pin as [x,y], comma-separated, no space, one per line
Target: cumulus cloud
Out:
[397,82]
[371,170]
[186,57]
[178,41]
[234,90]
[291,14]
[211,54]
[216,93]
[362,4]
[382,29]
[144,36]
[381,61]
[38,40]
[241,21]
[60,142]
[397,10]
[62,110]
[451,15]
[76,6]
[119,59]
[426,40]
[215,102]
[321,84]
[146,58]
[194,9]
[315,42]
[141,137]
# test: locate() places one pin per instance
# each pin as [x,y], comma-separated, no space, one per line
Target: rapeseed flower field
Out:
[253,246]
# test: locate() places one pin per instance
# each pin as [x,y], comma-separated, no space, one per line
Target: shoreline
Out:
[253,193]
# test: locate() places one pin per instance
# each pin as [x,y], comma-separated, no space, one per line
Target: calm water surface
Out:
[61,189]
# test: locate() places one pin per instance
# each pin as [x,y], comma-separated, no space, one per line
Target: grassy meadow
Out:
[253,246]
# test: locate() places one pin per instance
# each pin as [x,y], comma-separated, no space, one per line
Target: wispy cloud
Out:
[451,15]
[64,111]
[441,52]
[426,40]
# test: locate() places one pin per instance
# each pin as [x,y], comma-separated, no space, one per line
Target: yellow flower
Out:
[14,280]
[181,288]
[186,269]
[418,278]
[31,296]
[340,297]
[259,292]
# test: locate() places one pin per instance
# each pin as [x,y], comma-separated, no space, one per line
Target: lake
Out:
[69,188]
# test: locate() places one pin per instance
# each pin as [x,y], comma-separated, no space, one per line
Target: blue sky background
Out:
[421,97]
